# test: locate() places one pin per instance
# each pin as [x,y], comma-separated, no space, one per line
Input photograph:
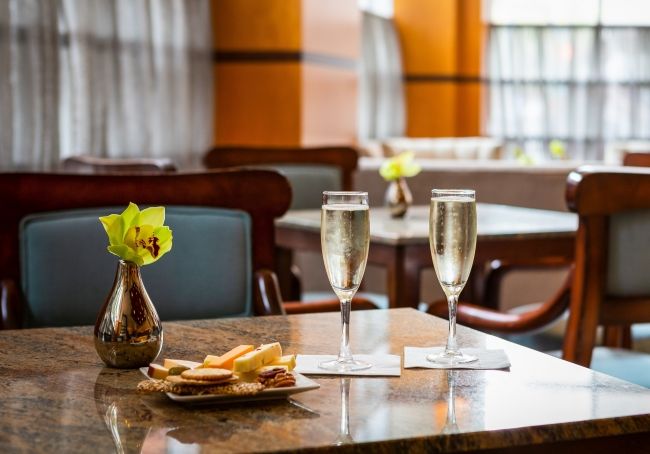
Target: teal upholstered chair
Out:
[308,183]
[310,171]
[55,269]
[207,274]
[609,287]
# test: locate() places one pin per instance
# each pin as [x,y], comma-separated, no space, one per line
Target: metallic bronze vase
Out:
[128,333]
[398,198]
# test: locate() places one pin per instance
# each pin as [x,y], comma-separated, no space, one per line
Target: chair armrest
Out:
[268,300]
[493,320]
[11,307]
[298,307]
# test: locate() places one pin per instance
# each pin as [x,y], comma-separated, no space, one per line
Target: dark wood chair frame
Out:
[594,193]
[636,158]
[94,164]
[344,158]
[26,193]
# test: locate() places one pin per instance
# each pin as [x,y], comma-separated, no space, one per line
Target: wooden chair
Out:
[609,284]
[310,172]
[636,159]
[344,159]
[27,193]
[93,164]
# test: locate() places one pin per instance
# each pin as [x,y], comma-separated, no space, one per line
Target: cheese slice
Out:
[169,363]
[261,356]
[289,361]
[157,371]
[225,361]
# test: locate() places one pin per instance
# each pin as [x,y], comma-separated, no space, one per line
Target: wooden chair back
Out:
[344,158]
[636,159]
[607,200]
[264,195]
[92,164]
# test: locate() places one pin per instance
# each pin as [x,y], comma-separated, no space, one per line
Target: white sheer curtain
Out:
[566,71]
[103,77]
[381,96]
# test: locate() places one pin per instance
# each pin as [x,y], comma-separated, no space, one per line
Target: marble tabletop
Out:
[58,397]
[494,221]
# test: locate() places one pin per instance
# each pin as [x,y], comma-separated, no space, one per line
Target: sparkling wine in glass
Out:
[452,237]
[345,237]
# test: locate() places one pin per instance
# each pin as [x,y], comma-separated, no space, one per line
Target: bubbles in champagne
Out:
[452,235]
[345,236]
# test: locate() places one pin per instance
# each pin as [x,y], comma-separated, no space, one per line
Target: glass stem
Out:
[344,350]
[452,346]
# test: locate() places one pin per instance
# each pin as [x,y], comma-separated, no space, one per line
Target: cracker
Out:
[179,380]
[208,374]
[233,389]
[154,386]
[230,389]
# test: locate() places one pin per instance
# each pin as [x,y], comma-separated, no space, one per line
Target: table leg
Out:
[403,286]
[290,286]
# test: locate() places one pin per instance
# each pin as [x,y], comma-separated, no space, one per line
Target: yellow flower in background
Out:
[522,157]
[557,149]
[400,166]
[138,236]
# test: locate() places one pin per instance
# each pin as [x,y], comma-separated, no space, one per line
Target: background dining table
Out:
[513,235]
[56,396]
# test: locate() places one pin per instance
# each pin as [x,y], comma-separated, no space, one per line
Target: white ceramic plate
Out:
[302,384]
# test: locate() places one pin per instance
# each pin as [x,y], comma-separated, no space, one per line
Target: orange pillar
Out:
[441,51]
[285,71]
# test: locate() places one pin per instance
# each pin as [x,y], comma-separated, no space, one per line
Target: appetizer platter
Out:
[244,373]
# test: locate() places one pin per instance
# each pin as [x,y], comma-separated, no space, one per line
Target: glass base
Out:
[451,358]
[340,365]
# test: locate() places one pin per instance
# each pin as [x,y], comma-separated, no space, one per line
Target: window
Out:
[107,78]
[571,70]
[381,99]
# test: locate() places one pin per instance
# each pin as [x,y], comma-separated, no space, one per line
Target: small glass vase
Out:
[398,198]
[128,332]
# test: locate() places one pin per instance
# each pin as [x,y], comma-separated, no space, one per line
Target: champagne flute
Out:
[345,238]
[452,237]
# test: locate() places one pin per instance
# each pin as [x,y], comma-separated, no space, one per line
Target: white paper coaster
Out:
[382,365]
[487,359]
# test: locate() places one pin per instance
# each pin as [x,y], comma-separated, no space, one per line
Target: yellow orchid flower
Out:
[138,236]
[399,166]
[557,149]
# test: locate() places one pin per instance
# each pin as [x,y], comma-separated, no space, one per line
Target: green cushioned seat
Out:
[67,272]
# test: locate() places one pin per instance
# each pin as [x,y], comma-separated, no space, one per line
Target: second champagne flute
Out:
[345,238]
[452,237]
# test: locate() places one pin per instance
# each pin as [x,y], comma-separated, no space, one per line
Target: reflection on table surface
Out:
[58,397]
